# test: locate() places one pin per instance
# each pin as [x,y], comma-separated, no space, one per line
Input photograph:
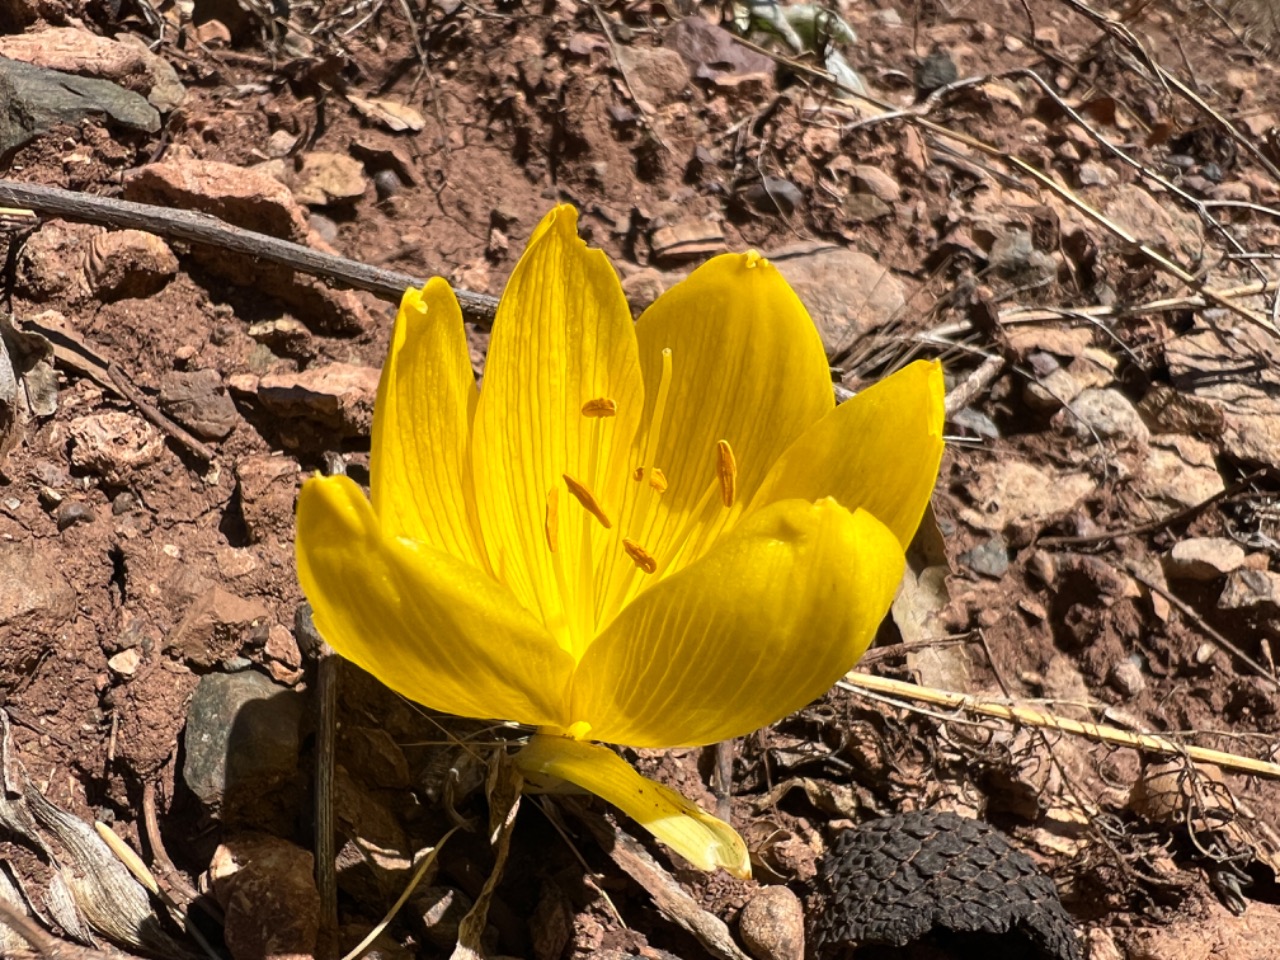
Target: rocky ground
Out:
[1075,207]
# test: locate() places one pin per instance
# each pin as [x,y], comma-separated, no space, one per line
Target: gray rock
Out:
[848,293]
[199,401]
[1106,415]
[989,558]
[241,740]
[1126,679]
[1249,589]
[36,100]
[72,512]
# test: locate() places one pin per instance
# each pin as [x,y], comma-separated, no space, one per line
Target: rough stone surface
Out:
[989,558]
[128,263]
[31,587]
[322,178]
[114,445]
[1143,216]
[1249,589]
[334,397]
[1179,471]
[1106,415]
[1005,492]
[847,293]
[214,627]
[1203,558]
[772,924]
[436,913]
[266,887]
[52,260]
[199,401]
[241,742]
[267,487]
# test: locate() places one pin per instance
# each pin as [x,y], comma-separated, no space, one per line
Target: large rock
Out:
[1010,491]
[199,401]
[37,100]
[31,588]
[847,293]
[128,263]
[242,740]
[337,398]
[114,445]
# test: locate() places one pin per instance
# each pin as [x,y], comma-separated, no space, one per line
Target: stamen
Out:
[579,729]
[727,470]
[658,480]
[642,557]
[753,259]
[588,500]
[552,523]
[638,474]
[600,407]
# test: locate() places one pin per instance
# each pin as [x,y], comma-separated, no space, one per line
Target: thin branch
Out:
[209,231]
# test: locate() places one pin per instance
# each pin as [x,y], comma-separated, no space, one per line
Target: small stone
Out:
[214,626]
[128,263]
[1106,415]
[869,179]
[1126,679]
[72,512]
[242,739]
[989,558]
[282,647]
[114,445]
[387,183]
[772,924]
[215,34]
[125,502]
[642,287]
[1203,558]
[199,401]
[267,487]
[658,74]
[322,178]
[934,71]
[774,195]
[267,890]
[125,663]
[1094,174]
[1179,470]
[1248,589]
[1014,256]
[284,335]
[864,207]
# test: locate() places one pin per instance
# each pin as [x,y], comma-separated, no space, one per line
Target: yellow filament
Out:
[552,523]
[588,500]
[727,471]
[642,557]
[600,407]
[658,480]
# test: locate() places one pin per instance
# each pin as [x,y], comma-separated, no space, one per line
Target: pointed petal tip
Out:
[705,841]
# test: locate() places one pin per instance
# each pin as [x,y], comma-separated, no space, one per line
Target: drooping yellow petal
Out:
[563,343]
[686,828]
[439,631]
[767,621]
[420,465]
[878,452]
[746,367]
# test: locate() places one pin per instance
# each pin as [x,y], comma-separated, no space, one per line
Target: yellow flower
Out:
[656,534]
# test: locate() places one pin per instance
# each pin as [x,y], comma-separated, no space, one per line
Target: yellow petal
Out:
[686,828]
[767,621]
[439,631]
[747,367]
[877,452]
[562,341]
[420,467]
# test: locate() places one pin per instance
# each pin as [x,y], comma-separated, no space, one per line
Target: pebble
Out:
[871,179]
[242,740]
[72,512]
[1203,558]
[322,178]
[989,558]
[199,401]
[772,924]
[128,263]
[125,502]
[1126,679]
[335,397]
[214,625]
[1106,415]
[934,71]
[125,663]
